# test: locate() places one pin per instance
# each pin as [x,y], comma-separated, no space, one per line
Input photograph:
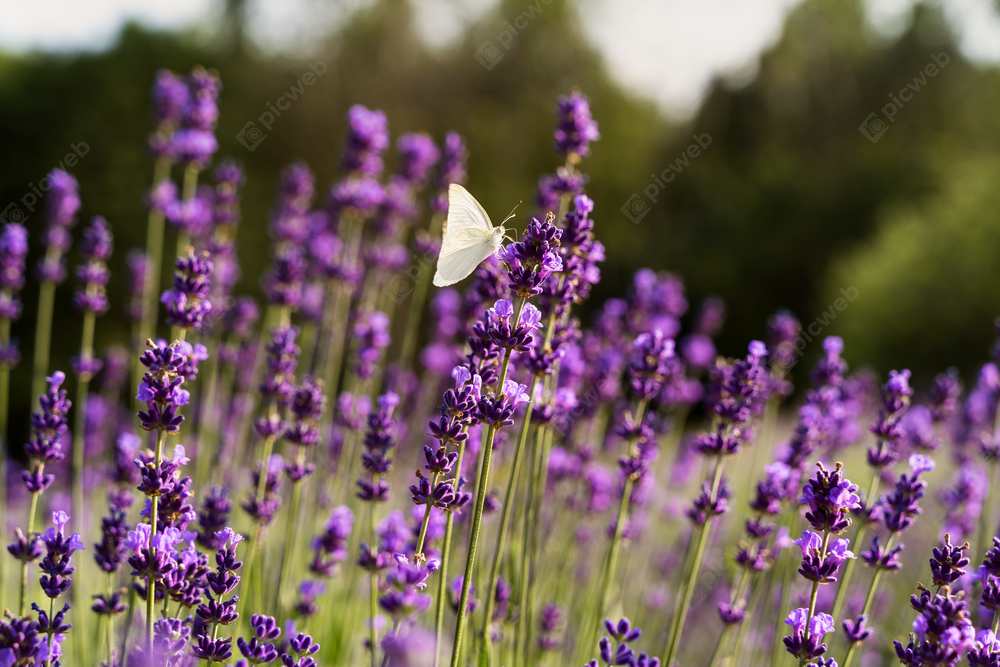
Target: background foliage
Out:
[789,204]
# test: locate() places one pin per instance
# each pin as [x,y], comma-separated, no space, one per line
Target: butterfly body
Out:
[468,237]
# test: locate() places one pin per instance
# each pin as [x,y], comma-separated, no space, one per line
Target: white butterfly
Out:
[467,239]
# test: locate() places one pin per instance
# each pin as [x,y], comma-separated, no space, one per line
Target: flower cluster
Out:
[187,302]
[534,258]
[615,648]
[806,639]
[62,204]
[96,247]
[195,141]
[378,443]
[13,251]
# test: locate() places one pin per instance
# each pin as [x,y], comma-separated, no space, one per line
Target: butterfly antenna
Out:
[511,213]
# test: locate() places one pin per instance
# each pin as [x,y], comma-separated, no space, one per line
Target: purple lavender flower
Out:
[214,517]
[260,649]
[534,258]
[284,283]
[941,632]
[160,388]
[290,219]
[96,247]
[820,566]
[373,337]
[195,141]
[13,250]
[109,552]
[576,128]
[419,155]
[367,137]
[330,547]
[947,562]
[986,651]
[62,205]
[943,398]
[618,652]
[548,639]
[357,195]
[187,302]
[411,649]
[169,98]
[452,169]
[896,395]
[378,443]
[830,497]
[262,509]
[309,591]
[899,508]
[807,633]
[300,647]
[57,570]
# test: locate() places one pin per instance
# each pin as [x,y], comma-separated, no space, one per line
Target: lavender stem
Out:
[477,516]
[679,618]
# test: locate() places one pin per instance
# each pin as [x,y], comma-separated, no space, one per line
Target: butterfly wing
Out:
[457,265]
[468,238]
[467,219]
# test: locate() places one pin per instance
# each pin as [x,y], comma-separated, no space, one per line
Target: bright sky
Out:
[669,50]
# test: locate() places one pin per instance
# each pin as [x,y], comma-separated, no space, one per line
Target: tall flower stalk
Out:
[45,447]
[13,250]
[93,275]
[170,95]
[63,203]
[734,397]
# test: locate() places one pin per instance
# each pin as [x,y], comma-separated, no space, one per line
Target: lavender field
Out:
[365,469]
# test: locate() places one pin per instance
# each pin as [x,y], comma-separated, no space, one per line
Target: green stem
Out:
[80,417]
[286,552]
[508,506]
[416,311]
[24,564]
[720,646]
[982,534]
[786,596]
[43,337]
[758,589]
[111,624]
[442,592]
[207,428]
[52,605]
[814,595]
[842,587]
[869,600]
[4,453]
[150,580]
[129,618]
[521,648]
[154,261]
[373,630]
[838,602]
[79,432]
[189,192]
[703,530]
[419,553]
[477,516]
